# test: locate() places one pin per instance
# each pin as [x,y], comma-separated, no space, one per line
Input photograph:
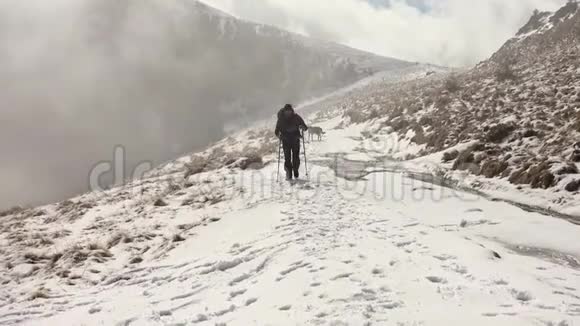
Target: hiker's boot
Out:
[288,175]
[296,174]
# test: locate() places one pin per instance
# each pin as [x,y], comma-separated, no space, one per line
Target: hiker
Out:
[288,129]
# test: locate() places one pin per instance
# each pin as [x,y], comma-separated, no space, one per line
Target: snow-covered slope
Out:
[214,239]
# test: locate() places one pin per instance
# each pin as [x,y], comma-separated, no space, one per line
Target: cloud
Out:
[446,32]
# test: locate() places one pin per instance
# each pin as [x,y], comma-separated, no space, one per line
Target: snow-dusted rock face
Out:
[543,31]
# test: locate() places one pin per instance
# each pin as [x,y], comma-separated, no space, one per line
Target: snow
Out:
[386,249]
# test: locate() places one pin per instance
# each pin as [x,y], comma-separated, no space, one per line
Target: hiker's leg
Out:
[296,156]
[287,156]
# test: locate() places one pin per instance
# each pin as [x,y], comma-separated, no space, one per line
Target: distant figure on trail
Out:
[288,129]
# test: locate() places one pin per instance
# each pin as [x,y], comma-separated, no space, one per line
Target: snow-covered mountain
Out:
[246,69]
[384,231]
[162,78]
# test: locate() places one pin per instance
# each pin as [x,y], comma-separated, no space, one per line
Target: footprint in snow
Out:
[522,296]
[251,301]
[342,276]
[240,279]
[285,308]
[237,293]
[490,314]
[500,282]
[220,313]
[545,307]
[392,305]
[444,257]
[95,310]
[377,271]
[165,313]
[436,279]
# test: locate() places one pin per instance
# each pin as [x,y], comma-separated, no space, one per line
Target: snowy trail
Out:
[316,256]
[387,250]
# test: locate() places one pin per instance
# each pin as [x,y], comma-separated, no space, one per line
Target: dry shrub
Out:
[419,137]
[355,116]
[537,176]
[443,101]
[499,132]
[39,294]
[505,72]
[437,140]
[493,168]
[575,156]
[466,161]
[399,124]
[374,114]
[528,133]
[251,161]
[567,169]
[118,238]
[11,211]
[426,120]
[452,84]
[34,258]
[160,203]
[450,156]
[573,186]
[196,166]
[576,124]
[178,238]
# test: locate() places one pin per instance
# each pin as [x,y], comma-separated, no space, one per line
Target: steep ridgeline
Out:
[240,68]
[520,108]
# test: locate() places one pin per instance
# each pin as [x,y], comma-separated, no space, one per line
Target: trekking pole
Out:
[305,160]
[279,152]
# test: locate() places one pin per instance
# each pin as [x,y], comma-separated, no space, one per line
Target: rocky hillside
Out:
[520,109]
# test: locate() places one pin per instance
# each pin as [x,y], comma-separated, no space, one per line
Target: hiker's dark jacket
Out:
[288,128]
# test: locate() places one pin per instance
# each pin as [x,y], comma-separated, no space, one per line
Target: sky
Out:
[445,32]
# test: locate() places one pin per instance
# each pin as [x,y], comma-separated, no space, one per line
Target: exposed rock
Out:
[493,168]
[450,156]
[499,132]
[160,203]
[538,176]
[573,186]
[466,161]
[567,169]
[528,133]
[253,162]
